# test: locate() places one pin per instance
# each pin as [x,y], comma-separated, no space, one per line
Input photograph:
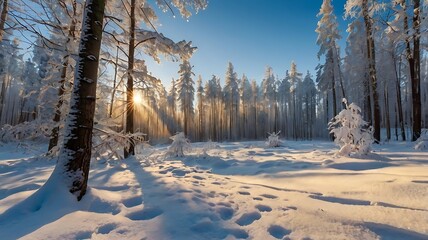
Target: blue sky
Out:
[252,34]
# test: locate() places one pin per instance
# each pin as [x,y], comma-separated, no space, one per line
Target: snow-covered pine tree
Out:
[179,144]
[352,133]
[328,35]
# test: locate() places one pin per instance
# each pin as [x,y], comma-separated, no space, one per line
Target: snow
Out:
[245,190]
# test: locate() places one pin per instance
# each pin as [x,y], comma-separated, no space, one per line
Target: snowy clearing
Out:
[241,190]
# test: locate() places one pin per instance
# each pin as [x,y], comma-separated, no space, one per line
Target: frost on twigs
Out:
[33,130]
[351,132]
[179,144]
[208,146]
[109,144]
[422,142]
[273,139]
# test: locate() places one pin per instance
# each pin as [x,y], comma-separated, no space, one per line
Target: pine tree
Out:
[186,91]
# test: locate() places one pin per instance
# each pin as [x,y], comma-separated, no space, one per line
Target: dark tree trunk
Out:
[113,93]
[130,84]
[3,16]
[372,69]
[399,104]
[415,73]
[76,152]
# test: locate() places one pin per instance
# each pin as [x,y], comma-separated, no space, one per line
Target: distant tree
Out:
[231,99]
[201,108]
[245,94]
[186,92]
[309,105]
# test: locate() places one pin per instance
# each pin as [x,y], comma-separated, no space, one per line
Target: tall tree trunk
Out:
[130,84]
[53,141]
[387,115]
[415,73]
[75,156]
[371,56]
[399,103]
[3,17]
[113,93]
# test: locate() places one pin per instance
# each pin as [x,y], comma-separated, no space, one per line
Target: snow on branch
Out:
[33,130]
[156,43]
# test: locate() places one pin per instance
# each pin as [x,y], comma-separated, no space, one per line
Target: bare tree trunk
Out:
[387,115]
[415,73]
[399,104]
[372,69]
[3,17]
[76,152]
[113,93]
[130,84]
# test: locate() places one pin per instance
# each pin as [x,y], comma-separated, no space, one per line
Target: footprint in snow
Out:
[145,214]
[244,193]
[278,232]
[198,177]
[106,229]
[270,196]
[263,208]
[225,213]
[248,218]
[132,202]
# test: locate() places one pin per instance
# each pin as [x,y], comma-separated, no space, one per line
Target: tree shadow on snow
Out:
[388,232]
[184,213]
[225,166]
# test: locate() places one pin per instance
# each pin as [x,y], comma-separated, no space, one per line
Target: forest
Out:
[387,78]
[73,76]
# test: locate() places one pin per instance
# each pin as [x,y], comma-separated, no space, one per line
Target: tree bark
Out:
[371,55]
[130,84]
[3,18]
[76,152]
[415,73]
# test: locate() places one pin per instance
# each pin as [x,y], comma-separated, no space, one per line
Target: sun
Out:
[137,99]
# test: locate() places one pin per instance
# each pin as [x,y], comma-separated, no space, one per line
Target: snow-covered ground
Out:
[240,190]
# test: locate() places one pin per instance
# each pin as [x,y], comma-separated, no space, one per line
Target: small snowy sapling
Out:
[351,132]
[422,142]
[179,144]
[273,139]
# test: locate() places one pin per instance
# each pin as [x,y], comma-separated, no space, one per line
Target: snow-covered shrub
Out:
[273,139]
[33,130]
[351,132]
[179,144]
[208,146]
[422,142]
